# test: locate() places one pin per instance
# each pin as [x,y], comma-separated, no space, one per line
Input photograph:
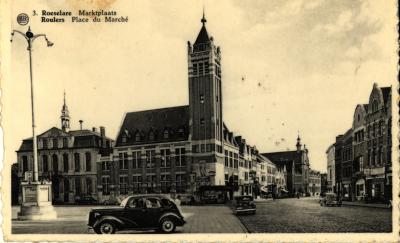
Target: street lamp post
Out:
[36,196]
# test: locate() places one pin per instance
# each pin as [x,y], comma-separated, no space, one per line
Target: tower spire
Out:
[203,20]
[65,115]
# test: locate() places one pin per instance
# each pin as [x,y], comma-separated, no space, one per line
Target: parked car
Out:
[245,204]
[330,199]
[86,200]
[139,212]
[112,201]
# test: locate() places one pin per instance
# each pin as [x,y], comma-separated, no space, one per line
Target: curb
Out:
[366,206]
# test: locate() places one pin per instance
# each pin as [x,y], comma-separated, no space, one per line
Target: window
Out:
[195,148]
[262,178]
[151,135]
[165,158]
[88,161]
[226,179]
[105,182]
[123,161]
[180,157]
[77,162]
[136,183]
[123,184]
[180,183]
[65,162]
[226,158]
[124,138]
[151,183]
[137,137]
[24,164]
[194,68]
[54,162]
[44,141]
[152,203]
[89,186]
[150,158]
[235,162]
[202,99]
[165,181]
[65,142]
[77,186]
[246,176]
[202,121]
[201,69]
[135,203]
[44,161]
[206,67]
[361,163]
[105,165]
[55,143]
[166,134]
[230,159]
[136,160]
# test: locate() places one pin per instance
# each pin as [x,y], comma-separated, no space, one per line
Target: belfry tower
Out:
[65,116]
[205,100]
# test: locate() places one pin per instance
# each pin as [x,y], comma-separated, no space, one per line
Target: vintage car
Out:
[139,212]
[329,199]
[85,200]
[245,204]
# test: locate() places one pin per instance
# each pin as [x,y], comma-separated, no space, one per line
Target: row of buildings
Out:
[359,162]
[186,149]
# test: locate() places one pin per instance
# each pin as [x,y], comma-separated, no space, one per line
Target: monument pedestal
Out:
[36,201]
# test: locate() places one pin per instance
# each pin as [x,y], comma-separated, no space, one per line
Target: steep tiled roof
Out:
[281,157]
[82,139]
[202,38]
[150,125]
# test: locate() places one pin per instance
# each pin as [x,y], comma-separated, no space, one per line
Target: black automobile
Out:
[139,212]
[245,204]
[86,200]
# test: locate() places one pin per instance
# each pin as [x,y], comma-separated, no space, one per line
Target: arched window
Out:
[54,163]
[45,163]
[65,162]
[88,160]
[77,162]
[137,137]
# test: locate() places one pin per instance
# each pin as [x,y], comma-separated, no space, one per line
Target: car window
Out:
[166,202]
[152,203]
[135,203]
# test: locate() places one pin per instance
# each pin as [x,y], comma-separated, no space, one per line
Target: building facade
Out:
[330,155]
[184,149]
[363,155]
[314,183]
[66,158]
[297,166]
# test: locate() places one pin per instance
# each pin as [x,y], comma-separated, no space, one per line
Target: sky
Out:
[288,67]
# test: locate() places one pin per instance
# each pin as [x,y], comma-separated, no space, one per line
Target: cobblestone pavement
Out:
[307,216]
[73,220]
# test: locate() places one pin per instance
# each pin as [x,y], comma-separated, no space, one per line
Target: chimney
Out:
[94,129]
[103,136]
[80,123]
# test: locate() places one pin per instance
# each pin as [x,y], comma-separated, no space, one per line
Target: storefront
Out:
[360,189]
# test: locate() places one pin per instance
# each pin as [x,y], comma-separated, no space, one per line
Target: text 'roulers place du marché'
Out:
[84,16]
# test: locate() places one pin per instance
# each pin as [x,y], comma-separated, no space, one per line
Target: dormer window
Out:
[44,143]
[124,138]
[65,142]
[166,134]
[151,135]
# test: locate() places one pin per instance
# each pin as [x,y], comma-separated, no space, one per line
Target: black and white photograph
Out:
[199,120]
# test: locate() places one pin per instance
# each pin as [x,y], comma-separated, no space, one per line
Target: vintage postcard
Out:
[199,120]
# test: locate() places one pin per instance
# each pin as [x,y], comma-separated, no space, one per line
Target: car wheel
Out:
[106,228]
[167,225]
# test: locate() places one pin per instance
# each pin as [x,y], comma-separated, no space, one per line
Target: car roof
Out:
[150,195]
